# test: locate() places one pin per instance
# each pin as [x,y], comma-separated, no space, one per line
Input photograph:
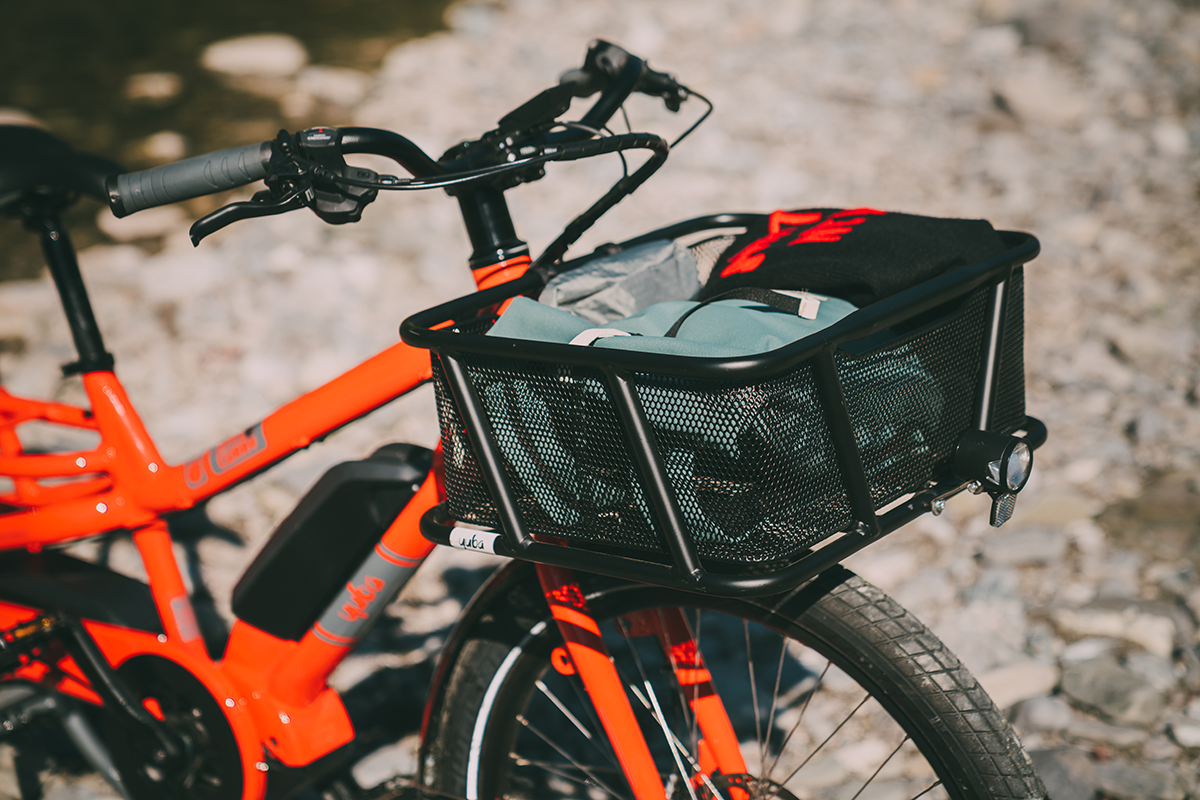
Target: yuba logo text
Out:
[479,541]
[474,543]
[360,598]
[225,456]
[237,449]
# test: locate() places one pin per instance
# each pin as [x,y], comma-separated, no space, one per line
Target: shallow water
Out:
[67,63]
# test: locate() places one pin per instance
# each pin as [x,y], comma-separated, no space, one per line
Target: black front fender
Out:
[508,597]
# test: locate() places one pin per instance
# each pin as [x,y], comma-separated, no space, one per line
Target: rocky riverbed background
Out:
[1078,121]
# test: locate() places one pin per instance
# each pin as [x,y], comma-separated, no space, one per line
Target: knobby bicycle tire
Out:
[919,724]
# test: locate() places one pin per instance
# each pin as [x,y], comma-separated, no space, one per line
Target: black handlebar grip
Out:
[612,144]
[183,180]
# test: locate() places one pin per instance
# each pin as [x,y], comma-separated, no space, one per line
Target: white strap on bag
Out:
[586,338]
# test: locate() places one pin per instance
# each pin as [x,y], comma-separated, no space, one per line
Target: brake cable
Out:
[703,116]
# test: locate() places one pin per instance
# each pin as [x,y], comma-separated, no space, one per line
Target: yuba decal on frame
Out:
[194,474]
[185,618]
[236,449]
[479,541]
[225,456]
[360,598]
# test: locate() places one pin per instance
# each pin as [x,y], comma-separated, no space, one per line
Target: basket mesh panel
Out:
[910,402]
[752,467]
[1008,412]
[564,451]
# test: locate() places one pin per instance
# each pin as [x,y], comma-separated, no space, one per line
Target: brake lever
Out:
[664,86]
[262,204]
[605,60]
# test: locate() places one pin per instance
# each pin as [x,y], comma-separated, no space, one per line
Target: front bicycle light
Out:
[997,464]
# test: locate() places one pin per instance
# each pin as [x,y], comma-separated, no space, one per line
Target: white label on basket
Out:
[592,334]
[479,541]
[810,303]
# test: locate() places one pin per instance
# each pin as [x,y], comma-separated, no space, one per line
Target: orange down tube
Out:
[301,678]
[599,675]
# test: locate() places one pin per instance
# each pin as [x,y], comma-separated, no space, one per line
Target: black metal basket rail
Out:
[989,291]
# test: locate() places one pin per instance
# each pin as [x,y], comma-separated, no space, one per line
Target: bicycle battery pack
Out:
[317,548]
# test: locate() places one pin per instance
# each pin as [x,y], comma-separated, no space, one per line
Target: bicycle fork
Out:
[586,655]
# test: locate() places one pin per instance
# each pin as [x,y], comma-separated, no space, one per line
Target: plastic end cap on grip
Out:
[114,197]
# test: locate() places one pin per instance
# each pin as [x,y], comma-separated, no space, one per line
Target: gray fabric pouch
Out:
[616,286]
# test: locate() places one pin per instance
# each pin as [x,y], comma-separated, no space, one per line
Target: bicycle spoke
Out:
[555,746]
[691,721]
[674,740]
[588,705]
[579,726]
[927,791]
[841,724]
[799,719]
[762,757]
[651,704]
[554,769]
[774,701]
[879,768]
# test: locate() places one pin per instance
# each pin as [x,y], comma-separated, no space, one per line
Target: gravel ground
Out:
[1078,121]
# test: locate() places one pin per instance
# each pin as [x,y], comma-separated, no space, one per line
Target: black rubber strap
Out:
[775,300]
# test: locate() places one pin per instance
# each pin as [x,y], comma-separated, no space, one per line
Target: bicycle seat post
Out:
[43,218]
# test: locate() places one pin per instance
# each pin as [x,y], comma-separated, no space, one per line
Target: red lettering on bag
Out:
[829,230]
[778,219]
[835,227]
[856,212]
[782,224]
[752,254]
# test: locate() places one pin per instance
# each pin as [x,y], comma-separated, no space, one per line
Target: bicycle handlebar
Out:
[183,180]
[308,170]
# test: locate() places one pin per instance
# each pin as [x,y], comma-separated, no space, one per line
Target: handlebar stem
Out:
[489,227]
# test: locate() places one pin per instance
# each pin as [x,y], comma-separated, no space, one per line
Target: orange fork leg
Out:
[604,687]
[719,749]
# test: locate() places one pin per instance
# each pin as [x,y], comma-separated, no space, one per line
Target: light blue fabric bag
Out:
[549,447]
[720,329]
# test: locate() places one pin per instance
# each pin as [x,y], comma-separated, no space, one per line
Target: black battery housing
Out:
[317,548]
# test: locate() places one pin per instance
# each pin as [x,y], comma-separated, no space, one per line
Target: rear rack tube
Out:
[490,461]
[439,527]
[845,446]
[994,336]
[653,472]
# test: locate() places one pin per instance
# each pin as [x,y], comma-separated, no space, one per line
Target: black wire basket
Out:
[722,475]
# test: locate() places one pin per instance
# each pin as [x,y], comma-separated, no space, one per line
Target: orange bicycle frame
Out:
[273,691]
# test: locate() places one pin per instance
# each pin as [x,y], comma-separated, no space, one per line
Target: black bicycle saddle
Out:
[31,158]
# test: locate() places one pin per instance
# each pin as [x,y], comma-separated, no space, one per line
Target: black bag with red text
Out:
[858,254]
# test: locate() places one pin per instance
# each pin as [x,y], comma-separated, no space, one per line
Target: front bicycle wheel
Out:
[833,691]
